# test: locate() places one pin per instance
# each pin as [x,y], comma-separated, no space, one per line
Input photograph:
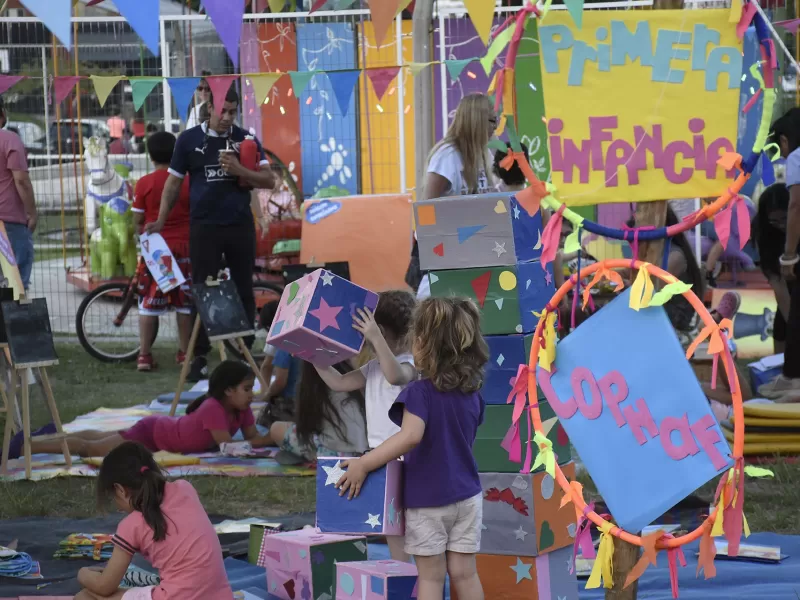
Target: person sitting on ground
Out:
[266,317]
[165,523]
[327,423]
[513,179]
[281,391]
[211,420]
[152,301]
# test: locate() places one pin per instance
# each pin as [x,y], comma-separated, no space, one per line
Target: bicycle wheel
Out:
[96,323]
[264,292]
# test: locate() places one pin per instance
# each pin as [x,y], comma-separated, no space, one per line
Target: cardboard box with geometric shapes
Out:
[506,354]
[375,580]
[635,412]
[476,231]
[378,508]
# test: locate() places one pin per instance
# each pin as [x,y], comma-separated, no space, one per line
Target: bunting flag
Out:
[142,16]
[219,84]
[262,84]
[318,4]
[481,12]
[103,86]
[227,17]
[383,13]
[56,15]
[276,6]
[456,67]
[381,78]
[183,89]
[343,83]
[498,44]
[404,4]
[300,80]
[9,81]
[62,86]
[141,88]
[416,68]
[575,9]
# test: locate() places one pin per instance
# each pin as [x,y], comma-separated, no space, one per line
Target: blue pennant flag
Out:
[142,16]
[56,16]
[343,84]
[183,89]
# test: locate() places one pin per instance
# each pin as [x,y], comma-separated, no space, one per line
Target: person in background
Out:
[513,179]
[712,265]
[280,396]
[152,301]
[202,95]
[17,203]
[267,315]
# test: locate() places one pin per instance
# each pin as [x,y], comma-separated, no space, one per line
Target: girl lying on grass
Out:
[166,524]
[210,421]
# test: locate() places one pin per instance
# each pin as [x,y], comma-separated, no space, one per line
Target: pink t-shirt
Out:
[189,559]
[12,158]
[192,433]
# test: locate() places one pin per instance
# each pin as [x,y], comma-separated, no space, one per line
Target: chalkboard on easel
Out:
[27,329]
[6,295]
[221,310]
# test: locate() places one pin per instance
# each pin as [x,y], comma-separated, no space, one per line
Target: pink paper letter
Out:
[639,420]
[708,437]
[579,376]
[688,446]
[615,390]
[564,410]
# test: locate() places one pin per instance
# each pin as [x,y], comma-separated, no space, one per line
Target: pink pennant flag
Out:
[791,25]
[381,78]
[318,4]
[723,223]
[9,81]
[551,236]
[62,86]
[219,84]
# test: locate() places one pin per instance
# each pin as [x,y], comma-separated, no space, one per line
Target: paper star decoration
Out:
[547,278]
[326,315]
[520,533]
[334,473]
[522,570]
[391,512]
[499,248]
[569,563]
[373,521]
[327,278]
[516,211]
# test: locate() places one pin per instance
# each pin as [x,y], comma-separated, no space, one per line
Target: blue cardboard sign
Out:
[319,210]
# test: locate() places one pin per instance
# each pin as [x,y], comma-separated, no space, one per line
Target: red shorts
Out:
[142,432]
[153,302]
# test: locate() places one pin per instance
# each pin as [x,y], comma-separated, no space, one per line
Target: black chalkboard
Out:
[221,311]
[28,333]
[6,295]
[294,272]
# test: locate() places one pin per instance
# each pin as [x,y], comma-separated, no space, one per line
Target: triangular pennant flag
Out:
[416,68]
[404,4]
[342,4]
[56,15]
[62,86]
[262,84]
[227,17]
[456,67]
[183,89]
[381,78]
[141,88]
[343,83]
[383,13]
[317,5]
[9,81]
[103,86]
[276,6]
[481,12]
[300,80]
[142,16]
[480,285]
[219,84]
[575,8]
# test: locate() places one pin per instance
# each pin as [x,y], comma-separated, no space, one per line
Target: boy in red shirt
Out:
[146,204]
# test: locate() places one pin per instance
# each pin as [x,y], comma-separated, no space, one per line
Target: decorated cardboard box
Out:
[507,296]
[546,577]
[375,580]
[635,411]
[522,514]
[506,354]
[476,231]
[488,449]
[302,564]
[378,508]
[315,318]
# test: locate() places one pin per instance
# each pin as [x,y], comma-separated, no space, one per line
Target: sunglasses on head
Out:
[203,88]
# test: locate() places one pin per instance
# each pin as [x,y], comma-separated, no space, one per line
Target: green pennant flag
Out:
[513,137]
[103,85]
[141,88]
[575,8]
[500,42]
[456,67]
[300,80]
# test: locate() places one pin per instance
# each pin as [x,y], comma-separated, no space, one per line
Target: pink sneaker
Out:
[729,305]
[180,357]
[145,363]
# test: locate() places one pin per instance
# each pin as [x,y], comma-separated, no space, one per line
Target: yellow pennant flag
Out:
[103,85]
[481,12]
[416,68]
[276,6]
[262,84]
[402,6]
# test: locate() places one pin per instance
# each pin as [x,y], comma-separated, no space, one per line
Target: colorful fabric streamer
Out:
[599,275]
[551,238]
[649,557]
[729,499]
[547,348]
[705,560]
[546,457]
[722,222]
[583,538]
[664,295]
[603,569]
[519,391]
[641,289]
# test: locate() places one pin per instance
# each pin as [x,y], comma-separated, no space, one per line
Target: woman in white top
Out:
[201,97]
[458,165]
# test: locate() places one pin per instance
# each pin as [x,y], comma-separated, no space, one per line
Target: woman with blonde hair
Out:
[459,164]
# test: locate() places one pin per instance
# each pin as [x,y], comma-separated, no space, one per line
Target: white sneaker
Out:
[779,387]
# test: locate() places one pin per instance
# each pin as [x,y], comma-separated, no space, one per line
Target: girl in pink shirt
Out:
[210,421]
[166,524]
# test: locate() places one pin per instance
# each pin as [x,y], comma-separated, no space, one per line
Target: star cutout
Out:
[522,570]
[334,473]
[538,245]
[391,512]
[499,248]
[327,278]
[373,520]
[520,533]
[547,278]
[483,527]
[516,211]
[326,315]
[569,563]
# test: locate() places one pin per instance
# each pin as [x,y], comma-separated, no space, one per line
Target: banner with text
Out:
[640,105]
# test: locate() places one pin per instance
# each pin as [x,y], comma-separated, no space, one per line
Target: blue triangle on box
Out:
[183,89]
[56,16]
[142,15]
[464,233]
[343,83]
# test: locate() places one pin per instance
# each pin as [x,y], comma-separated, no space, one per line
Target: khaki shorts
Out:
[455,527]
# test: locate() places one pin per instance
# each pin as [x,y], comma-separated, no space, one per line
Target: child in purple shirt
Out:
[439,417]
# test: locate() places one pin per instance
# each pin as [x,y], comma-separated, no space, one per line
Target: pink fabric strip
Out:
[752,102]
[543,577]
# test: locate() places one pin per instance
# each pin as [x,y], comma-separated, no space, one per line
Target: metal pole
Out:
[423,91]
[82,185]
[165,72]
[401,100]
[60,161]
[46,109]
[443,71]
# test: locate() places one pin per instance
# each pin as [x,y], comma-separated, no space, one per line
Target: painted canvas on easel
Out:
[8,264]
[160,262]
[27,330]
[221,310]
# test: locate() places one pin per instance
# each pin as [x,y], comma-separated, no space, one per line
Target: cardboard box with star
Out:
[378,509]
[376,580]
[476,231]
[315,318]
[506,354]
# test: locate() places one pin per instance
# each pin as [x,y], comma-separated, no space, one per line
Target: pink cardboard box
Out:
[378,509]
[302,564]
[315,318]
[376,580]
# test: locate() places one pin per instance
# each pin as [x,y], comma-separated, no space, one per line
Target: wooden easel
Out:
[238,337]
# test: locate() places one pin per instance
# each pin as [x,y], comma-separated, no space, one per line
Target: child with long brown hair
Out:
[439,416]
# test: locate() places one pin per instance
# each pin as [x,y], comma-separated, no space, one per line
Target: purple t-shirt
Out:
[441,469]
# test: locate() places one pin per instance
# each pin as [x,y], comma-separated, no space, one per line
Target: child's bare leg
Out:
[82,443]
[396,545]
[464,576]
[185,324]
[432,572]
[147,331]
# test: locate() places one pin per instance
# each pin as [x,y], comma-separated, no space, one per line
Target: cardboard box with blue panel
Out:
[376,580]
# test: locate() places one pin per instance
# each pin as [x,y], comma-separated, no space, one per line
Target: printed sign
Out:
[8,265]
[324,208]
[160,261]
[665,96]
